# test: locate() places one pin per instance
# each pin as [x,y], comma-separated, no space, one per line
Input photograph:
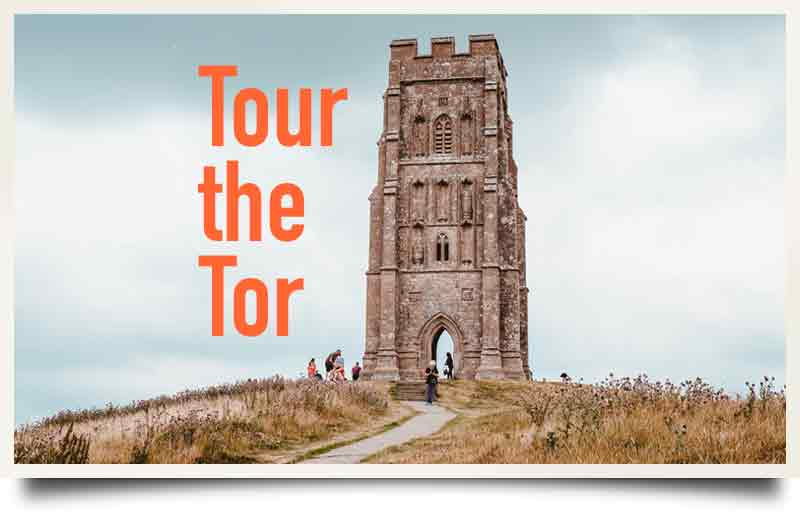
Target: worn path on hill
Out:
[430,419]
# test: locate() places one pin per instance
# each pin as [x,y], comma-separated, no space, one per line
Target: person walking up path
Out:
[431,379]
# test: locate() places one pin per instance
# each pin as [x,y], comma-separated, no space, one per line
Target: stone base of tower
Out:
[468,369]
[383,366]
[491,366]
[496,365]
[410,369]
[512,367]
[369,362]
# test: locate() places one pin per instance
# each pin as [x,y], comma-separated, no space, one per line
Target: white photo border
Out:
[792,245]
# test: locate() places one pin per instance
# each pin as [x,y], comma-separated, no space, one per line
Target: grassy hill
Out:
[261,420]
[280,421]
[617,421]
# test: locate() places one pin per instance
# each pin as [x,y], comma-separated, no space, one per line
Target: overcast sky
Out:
[651,157]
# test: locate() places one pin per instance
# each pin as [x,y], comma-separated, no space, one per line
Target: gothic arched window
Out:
[442,248]
[443,135]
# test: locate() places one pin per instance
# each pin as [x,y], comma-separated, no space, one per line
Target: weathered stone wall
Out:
[455,295]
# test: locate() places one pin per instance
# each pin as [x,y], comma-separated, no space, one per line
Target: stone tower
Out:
[447,235]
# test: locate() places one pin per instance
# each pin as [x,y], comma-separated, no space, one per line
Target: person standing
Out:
[431,379]
[312,369]
[356,371]
[448,366]
[330,361]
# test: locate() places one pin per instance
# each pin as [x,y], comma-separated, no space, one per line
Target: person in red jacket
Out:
[356,372]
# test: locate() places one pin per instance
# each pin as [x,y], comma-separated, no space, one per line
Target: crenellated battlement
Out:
[441,47]
[443,62]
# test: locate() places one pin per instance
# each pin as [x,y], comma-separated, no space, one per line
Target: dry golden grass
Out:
[277,420]
[616,421]
[233,423]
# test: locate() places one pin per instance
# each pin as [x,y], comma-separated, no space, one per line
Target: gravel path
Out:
[430,419]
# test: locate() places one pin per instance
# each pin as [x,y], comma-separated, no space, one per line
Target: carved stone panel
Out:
[418,247]
[467,244]
[442,201]
[418,202]
[467,202]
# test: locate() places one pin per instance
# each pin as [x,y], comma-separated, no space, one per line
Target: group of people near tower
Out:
[335,372]
[334,369]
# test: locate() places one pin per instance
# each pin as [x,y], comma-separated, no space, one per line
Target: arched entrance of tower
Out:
[440,335]
[442,345]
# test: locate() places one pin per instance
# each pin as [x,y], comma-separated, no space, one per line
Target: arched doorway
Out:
[438,336]
[441,345]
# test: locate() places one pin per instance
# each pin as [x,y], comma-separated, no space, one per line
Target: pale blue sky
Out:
[651,156]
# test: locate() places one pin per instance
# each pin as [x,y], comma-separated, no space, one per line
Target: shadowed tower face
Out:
[447,236]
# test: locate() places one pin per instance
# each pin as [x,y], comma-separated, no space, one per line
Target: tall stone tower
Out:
[447,235]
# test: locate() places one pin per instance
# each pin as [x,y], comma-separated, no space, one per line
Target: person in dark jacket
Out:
[330,361]
[448,366]
[431,379]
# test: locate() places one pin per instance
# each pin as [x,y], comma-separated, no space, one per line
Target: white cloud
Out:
[656,223]
[118,228]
